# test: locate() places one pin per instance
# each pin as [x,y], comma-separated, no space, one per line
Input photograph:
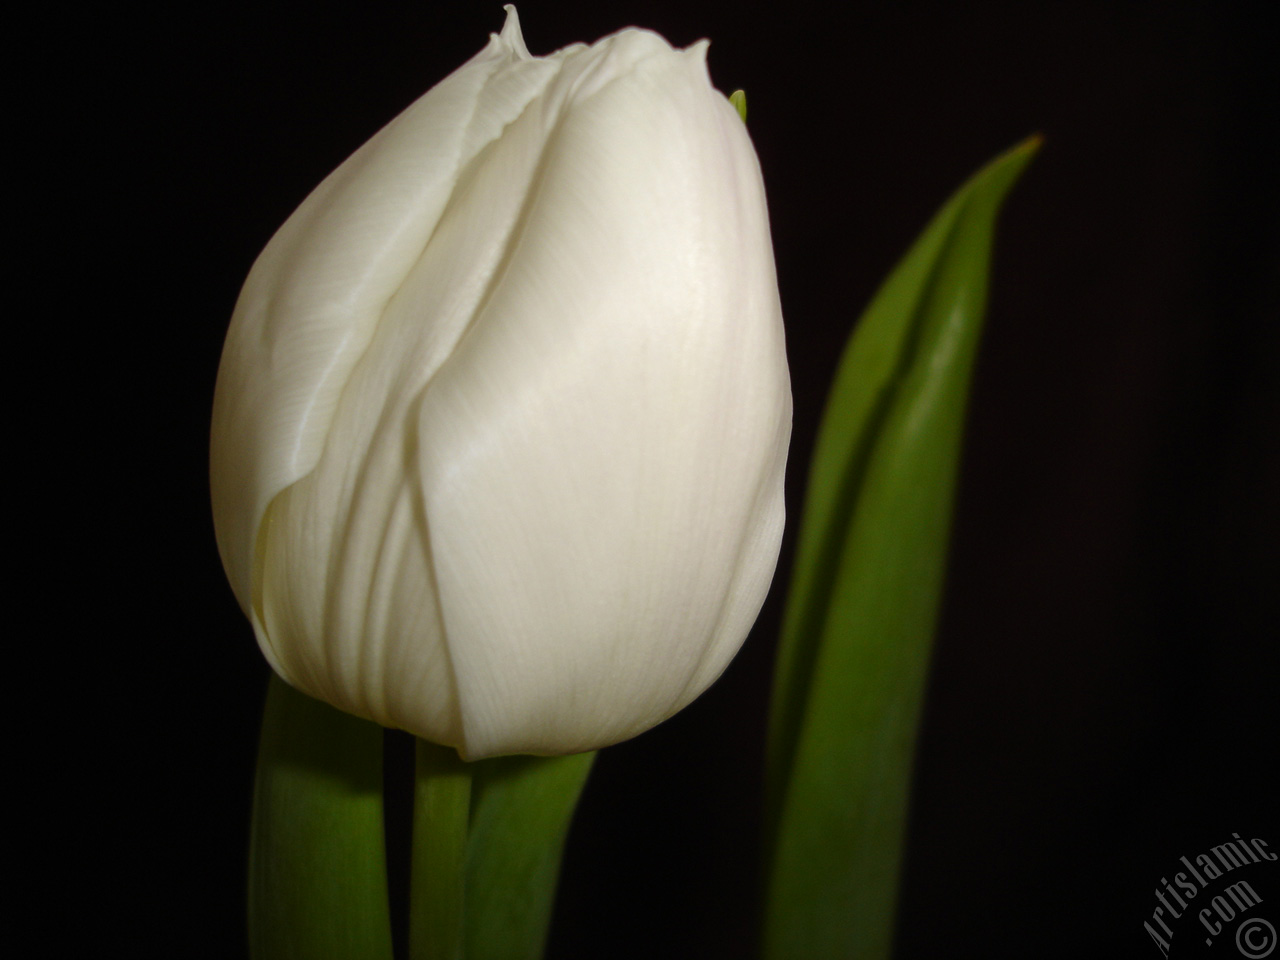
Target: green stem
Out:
[441,814]
[520,817]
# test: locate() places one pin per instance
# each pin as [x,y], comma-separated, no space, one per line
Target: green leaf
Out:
[520,815]
[317,864]
[487,841]
[864,596]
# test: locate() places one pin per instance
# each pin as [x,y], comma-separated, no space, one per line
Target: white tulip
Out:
[503,411]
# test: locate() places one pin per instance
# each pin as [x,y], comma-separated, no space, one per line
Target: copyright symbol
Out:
[1255,938]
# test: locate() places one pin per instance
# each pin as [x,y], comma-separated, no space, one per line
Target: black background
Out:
[1102,698]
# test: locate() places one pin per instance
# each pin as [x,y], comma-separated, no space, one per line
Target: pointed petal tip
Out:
[511,35]
[695,57]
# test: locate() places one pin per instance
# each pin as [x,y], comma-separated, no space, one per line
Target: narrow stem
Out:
[441,813]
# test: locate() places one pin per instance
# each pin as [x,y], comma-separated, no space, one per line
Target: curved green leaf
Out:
[317,863]
[864,596]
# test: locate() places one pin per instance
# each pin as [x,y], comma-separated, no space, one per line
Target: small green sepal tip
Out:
[739,100]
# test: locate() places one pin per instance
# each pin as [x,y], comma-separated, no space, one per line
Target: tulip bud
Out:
[502,417]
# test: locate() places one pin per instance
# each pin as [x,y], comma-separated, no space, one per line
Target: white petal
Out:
[502,416]
[314,297]
[603,522]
